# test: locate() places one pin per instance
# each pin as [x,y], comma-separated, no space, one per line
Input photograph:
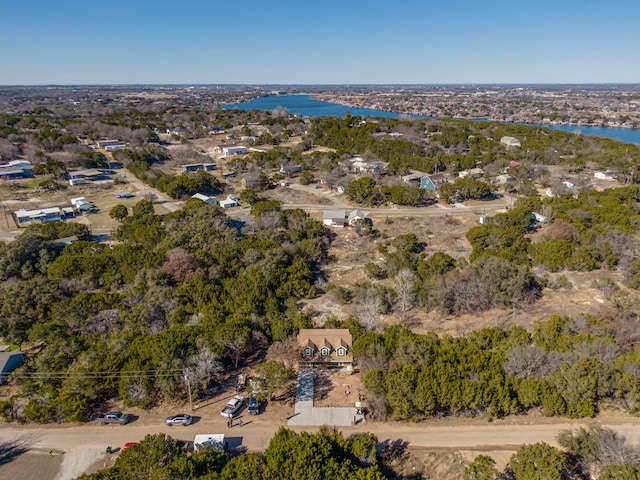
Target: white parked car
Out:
[232,407]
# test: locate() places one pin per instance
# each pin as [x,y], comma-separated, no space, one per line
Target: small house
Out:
[176,131]
[229,202]
[334,218]
[107,143]
[204,198]
[354,216]
[427,184]
[325,347]
[412,177]
[195,167]
[608,175]
[504,179]
[510,142]
[230,149]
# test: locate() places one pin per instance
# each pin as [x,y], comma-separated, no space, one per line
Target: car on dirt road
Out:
[181,419]
[114,417]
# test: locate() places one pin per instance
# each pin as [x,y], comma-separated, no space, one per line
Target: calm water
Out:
[307,106]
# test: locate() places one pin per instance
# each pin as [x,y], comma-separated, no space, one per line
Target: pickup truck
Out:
[232,407]
[114,417]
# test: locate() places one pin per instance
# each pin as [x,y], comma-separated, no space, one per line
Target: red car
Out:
[128,444]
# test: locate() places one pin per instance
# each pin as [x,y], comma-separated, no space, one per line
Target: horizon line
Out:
[343,85]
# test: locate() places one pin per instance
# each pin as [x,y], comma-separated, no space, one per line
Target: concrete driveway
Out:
[306,415]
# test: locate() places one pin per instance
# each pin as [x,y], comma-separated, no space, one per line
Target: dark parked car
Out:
[254,406]
[182,419]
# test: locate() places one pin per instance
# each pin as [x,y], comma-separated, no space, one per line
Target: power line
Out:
[99,375]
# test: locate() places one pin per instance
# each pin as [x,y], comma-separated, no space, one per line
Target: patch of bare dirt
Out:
[336,388]
[289,196]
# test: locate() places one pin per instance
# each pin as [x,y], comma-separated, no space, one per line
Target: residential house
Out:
[194,167]
[107,143]
[290,169]
[354,216]
[608,175]
[206,199]
[16,169]
[9,361]
[88,174]
[111,148]
[230,149]
[44,215]
[412,177]
[431,182]
[427,184]
[334,218]
[325,347]
[504,179]
[176,131]
[476,173]
[359,165]
[438,179]
[229,202]
[510,142]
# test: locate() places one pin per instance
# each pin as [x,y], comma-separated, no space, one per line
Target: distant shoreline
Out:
[331,99]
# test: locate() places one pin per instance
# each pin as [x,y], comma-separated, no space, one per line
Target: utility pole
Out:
[186,377]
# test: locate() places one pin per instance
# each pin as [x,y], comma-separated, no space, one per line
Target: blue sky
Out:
[323,42]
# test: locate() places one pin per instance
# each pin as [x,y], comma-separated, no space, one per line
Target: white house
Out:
[205,199]
[510,142]
[119,146]
[355,216]
[234,150]
[608,175]
[44,215]
[334,218]
[504,179]
[229,202]
[107,143]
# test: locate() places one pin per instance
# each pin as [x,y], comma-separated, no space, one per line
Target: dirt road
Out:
[255,436]
[67,451]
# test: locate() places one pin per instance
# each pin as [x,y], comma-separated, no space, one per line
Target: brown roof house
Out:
[325,347]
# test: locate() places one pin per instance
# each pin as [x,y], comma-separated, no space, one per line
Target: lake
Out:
[306,106]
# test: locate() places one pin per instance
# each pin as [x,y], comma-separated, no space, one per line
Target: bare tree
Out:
[525,361]
[286,350]
[405,282]
[204,366]
[369,307]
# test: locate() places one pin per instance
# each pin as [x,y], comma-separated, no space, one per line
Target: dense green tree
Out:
[482,468]
[119,212]
[539,461]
